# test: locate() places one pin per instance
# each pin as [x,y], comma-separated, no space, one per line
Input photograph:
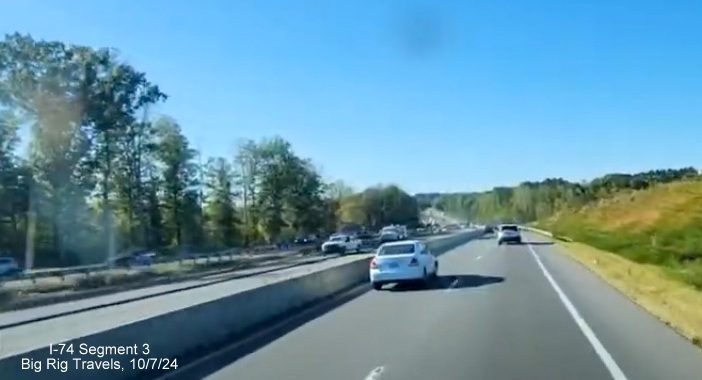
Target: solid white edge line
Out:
[600,350]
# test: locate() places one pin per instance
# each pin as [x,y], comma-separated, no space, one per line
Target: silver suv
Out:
[508,233]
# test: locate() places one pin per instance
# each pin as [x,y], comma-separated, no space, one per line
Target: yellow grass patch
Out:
[673,204]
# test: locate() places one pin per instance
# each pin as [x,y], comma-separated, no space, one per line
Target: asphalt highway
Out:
[511,312]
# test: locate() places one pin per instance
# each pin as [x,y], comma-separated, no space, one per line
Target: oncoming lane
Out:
[492,315]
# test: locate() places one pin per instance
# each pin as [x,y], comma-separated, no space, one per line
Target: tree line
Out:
[532,201]
[100,175]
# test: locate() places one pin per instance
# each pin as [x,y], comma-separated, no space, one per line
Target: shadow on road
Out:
[462,281]
[528,243]
[537,243]
[473,281]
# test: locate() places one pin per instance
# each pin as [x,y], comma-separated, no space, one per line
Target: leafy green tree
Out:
[101,177]
[178,177]
[221,208]
[531,201]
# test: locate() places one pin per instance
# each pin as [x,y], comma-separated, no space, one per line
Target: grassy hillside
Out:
[531,201]
[661,225]
[641,233]
[652,217]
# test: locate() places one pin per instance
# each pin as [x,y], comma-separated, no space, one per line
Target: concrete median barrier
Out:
[126,351]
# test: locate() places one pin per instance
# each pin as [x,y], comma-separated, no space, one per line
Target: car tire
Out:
[435,273]
[425,277]
[377,286]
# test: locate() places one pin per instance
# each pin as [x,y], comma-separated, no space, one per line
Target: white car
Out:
[400,230]
[389,236]
[508,233]
[403,261]
[340,243]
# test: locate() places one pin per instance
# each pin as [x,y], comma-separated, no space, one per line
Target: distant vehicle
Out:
[508,233]
[404,234]
[9,266]
[387,236]
[452,227]
[401,231]
[137,258]
[392,233]
[341,243]
[303,240]
[489,229]
[403,261]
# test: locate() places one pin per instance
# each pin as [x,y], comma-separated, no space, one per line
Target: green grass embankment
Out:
[647,244]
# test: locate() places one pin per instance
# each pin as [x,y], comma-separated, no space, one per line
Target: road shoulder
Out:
[676,304]
[644,347]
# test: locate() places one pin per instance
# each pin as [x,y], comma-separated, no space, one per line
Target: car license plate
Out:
[393,265]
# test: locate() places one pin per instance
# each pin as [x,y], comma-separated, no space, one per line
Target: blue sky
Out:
[464,95]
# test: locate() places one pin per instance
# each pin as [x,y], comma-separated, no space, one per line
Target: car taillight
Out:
[413,262]
[373,264]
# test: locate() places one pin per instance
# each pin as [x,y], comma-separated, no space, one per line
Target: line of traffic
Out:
[181,324]
[504,312]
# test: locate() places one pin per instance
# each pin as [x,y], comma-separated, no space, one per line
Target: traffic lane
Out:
[341,344]
[517,330]
[11,318]
[493,316]
[28,337]
[644,347]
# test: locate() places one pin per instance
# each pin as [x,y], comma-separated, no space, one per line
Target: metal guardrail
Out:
[32,277]
[103,269]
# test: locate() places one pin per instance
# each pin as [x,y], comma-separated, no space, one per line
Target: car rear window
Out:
[509,228]
[398,249]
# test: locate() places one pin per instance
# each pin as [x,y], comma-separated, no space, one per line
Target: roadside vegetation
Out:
[86,168]
[660,226]
[642,232]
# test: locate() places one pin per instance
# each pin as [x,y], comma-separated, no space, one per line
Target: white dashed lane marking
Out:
[376,373]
